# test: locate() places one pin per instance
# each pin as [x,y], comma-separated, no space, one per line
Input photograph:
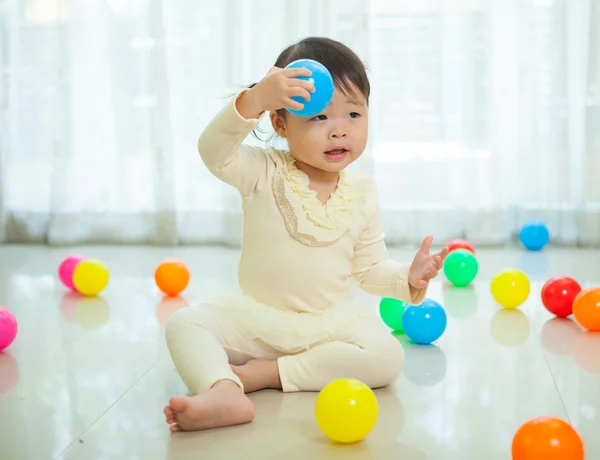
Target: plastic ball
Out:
[534,235]
[510,288]
[558,295]
[586,309]
[460,244]
[324,87]
[424,323]
[90,277]
[460,267]
[547,438]
[172,276]
[66,268]
[346,410]
[391,311]
[8,328]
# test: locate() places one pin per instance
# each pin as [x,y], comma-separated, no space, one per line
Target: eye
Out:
[354,114]
[319,118]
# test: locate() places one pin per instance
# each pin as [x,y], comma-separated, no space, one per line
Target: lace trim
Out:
[289,216]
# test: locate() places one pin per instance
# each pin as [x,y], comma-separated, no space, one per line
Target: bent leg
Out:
[197,338]
[202,343]
[370,354]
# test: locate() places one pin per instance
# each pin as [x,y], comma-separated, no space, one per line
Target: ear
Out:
[278,124]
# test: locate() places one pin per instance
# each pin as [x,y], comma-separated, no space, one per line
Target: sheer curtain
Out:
[483,114]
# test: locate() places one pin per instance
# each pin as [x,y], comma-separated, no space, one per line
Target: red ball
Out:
[558,294]
[460,244]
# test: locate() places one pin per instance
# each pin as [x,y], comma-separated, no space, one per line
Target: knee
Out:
[387,360]
[179,320]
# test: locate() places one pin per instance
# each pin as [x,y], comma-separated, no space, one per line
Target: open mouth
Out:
[336,154]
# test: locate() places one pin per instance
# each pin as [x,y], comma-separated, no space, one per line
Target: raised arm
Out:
[221,149]
[220,145]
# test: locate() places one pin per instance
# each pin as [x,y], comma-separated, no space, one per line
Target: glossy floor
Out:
[88,378]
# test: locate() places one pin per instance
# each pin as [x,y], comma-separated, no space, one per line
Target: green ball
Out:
[460,267]
[391,311]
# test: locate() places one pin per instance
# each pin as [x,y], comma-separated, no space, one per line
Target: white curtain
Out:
[483,114]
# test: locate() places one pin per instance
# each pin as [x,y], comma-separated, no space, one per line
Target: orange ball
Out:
[547,438]
[172,276]
[586,309]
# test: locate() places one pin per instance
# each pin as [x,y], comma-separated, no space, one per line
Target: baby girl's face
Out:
[331,140]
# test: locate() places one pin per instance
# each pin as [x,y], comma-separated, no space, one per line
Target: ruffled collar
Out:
[307,218]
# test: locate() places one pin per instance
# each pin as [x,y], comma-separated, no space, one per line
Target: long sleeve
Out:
[372,268]
[220,146]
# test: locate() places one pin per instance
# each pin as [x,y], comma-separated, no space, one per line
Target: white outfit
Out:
[295,303]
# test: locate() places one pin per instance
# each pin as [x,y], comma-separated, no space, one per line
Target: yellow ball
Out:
[346,410]
[510,288]
[90,277]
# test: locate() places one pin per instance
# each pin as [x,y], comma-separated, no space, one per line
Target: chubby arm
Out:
[220,146]
[372,268]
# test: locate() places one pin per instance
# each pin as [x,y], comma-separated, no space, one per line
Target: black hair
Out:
[347,70]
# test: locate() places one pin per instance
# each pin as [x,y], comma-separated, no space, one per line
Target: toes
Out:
[169,415]
[174,428]
[178,404]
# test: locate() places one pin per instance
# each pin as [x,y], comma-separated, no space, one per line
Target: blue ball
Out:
[534,235]
[424,323]
[323,82]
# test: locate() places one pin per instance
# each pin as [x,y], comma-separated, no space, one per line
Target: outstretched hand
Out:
[425,266]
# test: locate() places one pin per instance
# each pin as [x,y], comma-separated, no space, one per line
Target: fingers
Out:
[274,69]
[422,284]
[431,273]
[307,85]
[301,92]
[297,72]
[444,252]
[426,244]
[292,104]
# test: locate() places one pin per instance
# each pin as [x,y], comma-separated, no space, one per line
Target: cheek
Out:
[362,133]
[304,139]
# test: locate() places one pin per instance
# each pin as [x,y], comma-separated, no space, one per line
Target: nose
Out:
[337,132]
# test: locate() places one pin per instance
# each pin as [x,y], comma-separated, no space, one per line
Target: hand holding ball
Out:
[324,87]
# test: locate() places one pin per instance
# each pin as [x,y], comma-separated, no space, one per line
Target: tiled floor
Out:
[88,378]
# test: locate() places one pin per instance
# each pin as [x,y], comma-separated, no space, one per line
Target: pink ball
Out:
[66,268]
[8,328]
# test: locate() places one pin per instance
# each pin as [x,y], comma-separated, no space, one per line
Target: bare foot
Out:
[258,374]
[223,405]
